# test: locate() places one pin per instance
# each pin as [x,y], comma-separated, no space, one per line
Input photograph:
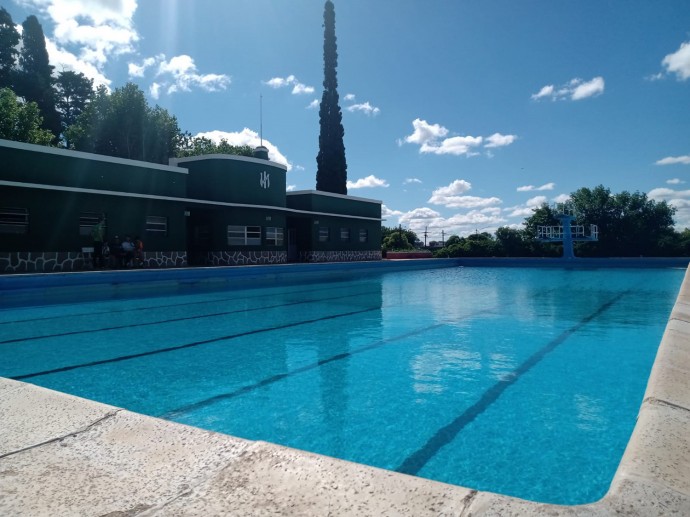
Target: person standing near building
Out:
[98,233]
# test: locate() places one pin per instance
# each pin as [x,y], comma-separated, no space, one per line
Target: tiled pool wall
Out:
[51,262]
[62,455]
[59,286]
[56,287]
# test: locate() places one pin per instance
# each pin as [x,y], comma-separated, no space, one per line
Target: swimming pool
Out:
[520,381]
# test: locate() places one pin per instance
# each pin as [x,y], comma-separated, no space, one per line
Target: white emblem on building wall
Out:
[264,180]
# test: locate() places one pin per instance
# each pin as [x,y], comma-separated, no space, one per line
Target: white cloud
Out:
[370,181]
[453,189]
[418,213]
[679,199]
[364,108]
[432,138]
[387,212]
[675,181]
[450,196]
[425,132]
[135,70]
[536,201]
[589,89]
[679,62]
[290,188]
[575,89]
[154,90]
[185,76]
[179,74]
[349,97]
[561,198]
[672,160]
[247,137]
[65,60]
[411,180]
[499,140]
[457,145]
[424,219]
[297,87]
[313,104]
[527,209]
[546,91]
[300,88]
[530,188]
[520,211]
[87,33]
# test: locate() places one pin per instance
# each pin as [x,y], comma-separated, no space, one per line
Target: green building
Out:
[205,210]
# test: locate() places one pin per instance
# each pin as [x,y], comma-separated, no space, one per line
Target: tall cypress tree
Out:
[331,172]
[35,80]
[9,39]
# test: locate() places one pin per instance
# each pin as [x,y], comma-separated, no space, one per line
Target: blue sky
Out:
[459,115]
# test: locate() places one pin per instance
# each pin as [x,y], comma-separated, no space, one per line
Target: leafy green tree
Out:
[200,145]
[410,236]
[21,121]
[512,242]
[629,224]
[453,240]
[122,124]
[74,91]
[162,135]
[89,128]
[34,79]
[331,172]
[541,216]
[9,39]
[396,240]
[474,245]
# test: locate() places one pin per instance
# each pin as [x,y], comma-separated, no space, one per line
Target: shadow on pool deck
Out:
[62,455]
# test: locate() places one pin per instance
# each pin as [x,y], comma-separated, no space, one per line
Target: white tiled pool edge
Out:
[62,455]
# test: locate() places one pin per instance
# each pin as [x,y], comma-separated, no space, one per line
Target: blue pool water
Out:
[525,382]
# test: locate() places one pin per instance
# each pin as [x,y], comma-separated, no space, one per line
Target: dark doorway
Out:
[199,236]
[292,252]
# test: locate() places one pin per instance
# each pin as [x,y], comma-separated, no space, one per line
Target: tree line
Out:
[65,110]
[630,225]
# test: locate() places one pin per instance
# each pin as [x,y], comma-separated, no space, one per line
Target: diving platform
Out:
[567,232]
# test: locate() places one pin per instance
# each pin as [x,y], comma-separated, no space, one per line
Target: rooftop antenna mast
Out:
[261,119]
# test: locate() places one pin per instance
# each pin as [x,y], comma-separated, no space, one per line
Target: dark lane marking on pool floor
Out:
[174,320]
[416,461]
[193,344]
[175,413]
[152,307]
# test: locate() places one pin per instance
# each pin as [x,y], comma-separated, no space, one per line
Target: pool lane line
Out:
[187,318]
[142,308]
[177,412]
[417,460]
[193,344]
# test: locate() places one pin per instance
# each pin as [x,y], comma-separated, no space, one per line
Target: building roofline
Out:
[68,153]
[233,157]
[331,194]
[116,193]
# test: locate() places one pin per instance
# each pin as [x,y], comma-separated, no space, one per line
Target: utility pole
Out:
[443,238]
[425,233]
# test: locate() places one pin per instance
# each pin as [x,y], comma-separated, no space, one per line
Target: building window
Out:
[244,235]
[157,224]
[14,220]
[344,234]
[87,220]
[274,236]
[363,235]
[324,234]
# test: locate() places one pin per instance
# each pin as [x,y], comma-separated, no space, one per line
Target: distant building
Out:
[217,210]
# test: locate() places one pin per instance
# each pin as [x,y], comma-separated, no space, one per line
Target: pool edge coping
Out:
[653,477]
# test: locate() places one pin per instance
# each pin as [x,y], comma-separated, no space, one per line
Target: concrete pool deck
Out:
[62,455]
